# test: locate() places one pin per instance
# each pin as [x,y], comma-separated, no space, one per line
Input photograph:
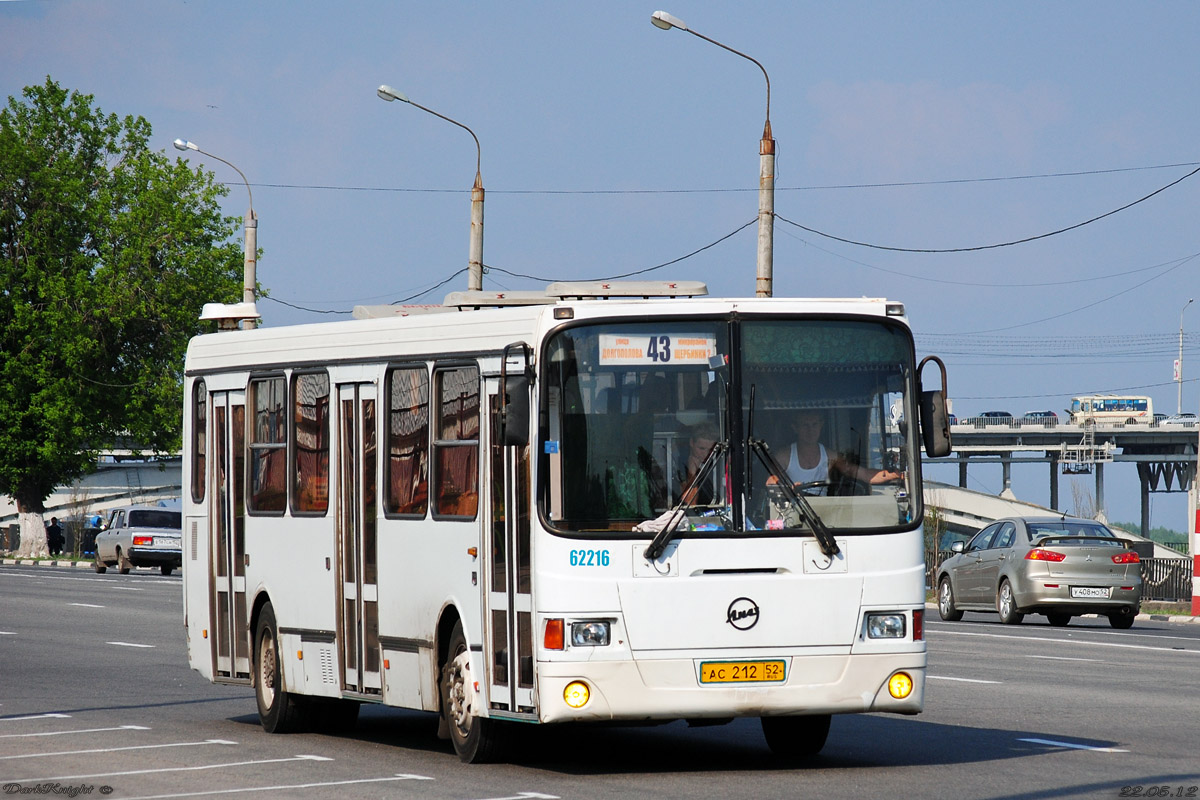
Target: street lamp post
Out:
[1179,363]
[475,253]
[249,271]
[766,166]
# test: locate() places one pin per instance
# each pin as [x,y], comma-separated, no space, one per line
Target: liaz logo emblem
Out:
[742,614]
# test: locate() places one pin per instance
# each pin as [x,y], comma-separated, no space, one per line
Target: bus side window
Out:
[408,441]
[310,443]
[456,442]
[268,445]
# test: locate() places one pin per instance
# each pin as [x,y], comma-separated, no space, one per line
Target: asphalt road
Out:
[96,700]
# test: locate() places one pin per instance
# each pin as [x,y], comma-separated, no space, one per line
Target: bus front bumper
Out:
[664,689]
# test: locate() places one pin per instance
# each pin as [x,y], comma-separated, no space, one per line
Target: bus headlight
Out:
[890,625]
[592,633]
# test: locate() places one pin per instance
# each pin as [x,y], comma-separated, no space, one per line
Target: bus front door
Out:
[228,620]
[358,591]
[509,608]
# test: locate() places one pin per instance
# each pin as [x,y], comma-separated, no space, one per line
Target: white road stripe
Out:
[397,777]
[960,680]
[119,749]
[86,605]
[1074,746]
[36,716]
[82,730]
[129,644]
[1064,658]
[169,769]
[1074,641]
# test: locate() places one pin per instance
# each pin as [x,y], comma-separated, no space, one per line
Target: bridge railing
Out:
[1166,580]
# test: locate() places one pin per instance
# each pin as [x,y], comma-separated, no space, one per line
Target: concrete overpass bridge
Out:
[1165,455]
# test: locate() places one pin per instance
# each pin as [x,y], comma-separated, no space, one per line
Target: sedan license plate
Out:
[741,671]
[160,541]
[1090,591]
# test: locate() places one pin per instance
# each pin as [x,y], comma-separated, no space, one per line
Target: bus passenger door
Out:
[228,620]
[358,591]
[509,608]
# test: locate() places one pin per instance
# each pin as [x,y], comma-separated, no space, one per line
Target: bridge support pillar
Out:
[962,474]
[1145,486]
[1054,484]
[1006,467]
[1100,513]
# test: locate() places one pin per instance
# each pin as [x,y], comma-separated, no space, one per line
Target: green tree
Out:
[108,250]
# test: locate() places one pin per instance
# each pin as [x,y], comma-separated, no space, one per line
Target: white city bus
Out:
[1102,408]
[485,512]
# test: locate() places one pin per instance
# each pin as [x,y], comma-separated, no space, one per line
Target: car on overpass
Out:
[1061,567]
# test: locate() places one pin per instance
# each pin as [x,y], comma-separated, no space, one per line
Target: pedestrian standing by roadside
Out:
[54,537]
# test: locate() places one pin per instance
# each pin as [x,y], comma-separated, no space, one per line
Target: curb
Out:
[29,562]
[1143,617]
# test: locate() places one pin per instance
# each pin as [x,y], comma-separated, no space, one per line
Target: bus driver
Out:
[809,462]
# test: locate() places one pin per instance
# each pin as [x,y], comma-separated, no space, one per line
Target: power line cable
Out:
[639,271]
[977,248]
[819,187]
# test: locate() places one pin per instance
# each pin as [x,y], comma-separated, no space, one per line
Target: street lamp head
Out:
[184,144]
[661,19]
[386,92]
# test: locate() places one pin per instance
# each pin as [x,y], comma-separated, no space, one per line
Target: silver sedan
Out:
[1057,566]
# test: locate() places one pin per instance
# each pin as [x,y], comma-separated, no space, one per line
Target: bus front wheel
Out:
[796,737]
[474,737]
[279,711]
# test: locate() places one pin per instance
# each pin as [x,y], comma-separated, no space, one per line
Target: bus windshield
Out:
[718,424]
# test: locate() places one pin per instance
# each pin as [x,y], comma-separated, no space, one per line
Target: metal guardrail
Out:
[1167,580]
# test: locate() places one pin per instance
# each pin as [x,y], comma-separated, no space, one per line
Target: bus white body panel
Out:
[305,486]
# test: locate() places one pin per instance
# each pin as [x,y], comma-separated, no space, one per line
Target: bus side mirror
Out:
[515,413]
[935,422]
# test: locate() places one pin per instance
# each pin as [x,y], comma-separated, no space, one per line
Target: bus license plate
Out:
[741,671]
[1089,591]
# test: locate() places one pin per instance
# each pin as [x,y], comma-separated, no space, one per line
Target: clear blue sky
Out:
[609,146]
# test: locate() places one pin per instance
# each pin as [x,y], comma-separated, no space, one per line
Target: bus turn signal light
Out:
[554,634]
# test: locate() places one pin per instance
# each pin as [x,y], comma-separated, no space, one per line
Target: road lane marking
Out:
[960,680]
[397,777]
[108,583]
[83,730]
[1074,641]
[85,605]
[524,795]
[36,716]
[130,644]
[1065,658]
[119,749]
[1074,746]
[8,633]
[169,769]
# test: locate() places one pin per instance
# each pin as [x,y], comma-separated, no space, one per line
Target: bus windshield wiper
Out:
[829,545]
[659,543]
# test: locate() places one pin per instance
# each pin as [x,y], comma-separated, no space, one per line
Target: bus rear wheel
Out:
[796,737]
[474,737]
[279,711]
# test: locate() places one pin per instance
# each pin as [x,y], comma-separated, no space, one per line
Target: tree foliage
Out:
[107,252]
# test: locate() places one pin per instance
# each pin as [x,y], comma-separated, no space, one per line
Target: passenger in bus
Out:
[701,440]
[808,462]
